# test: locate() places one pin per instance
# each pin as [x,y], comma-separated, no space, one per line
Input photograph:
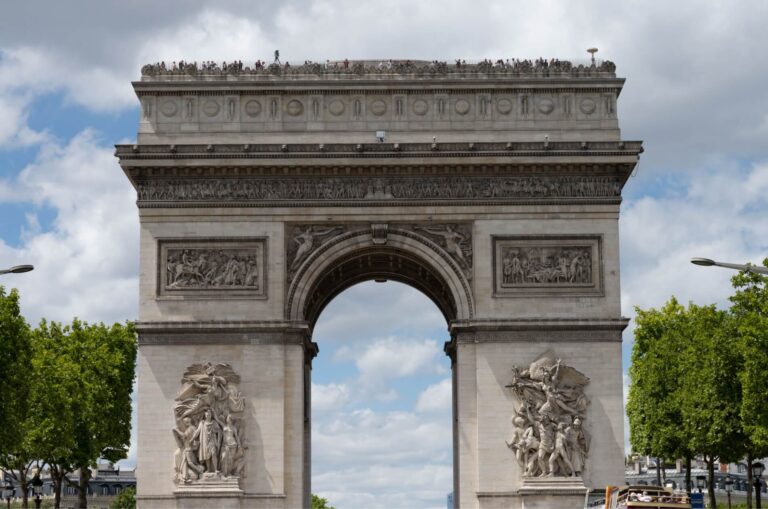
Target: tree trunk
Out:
[658,472]
[688,487]
[749,481]
[57,478]
[711,482]
[663,473]
[82,488]
[24,487]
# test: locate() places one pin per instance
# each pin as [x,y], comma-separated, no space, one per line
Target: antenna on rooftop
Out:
[592,52]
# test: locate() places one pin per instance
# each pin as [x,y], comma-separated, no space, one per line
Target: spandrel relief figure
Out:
[306,241]
[455,242]
[548,437]
[209,411]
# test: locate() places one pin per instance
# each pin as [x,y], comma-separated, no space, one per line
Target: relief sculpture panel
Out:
[212,267]
[530,265]
[549,438]
[210,440]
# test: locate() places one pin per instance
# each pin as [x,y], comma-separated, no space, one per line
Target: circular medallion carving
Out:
[211,108]
[336,107]
[169,108]
[378,107]
[294,108]
[546,106]
[504,106]
[253,108]
[420,107]
[462,107]
[587,106]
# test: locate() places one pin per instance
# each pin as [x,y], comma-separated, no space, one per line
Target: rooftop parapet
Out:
[381,69]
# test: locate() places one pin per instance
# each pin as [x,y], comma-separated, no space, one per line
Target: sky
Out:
[695,94]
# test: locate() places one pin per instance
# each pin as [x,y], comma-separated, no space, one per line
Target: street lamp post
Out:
[728,489]
[757,472]
[8,491]
[18,269]
[37,487]
[706,262]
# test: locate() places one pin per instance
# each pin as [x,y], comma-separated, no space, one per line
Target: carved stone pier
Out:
[265,191]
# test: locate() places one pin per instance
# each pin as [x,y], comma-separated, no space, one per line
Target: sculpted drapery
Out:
[549,439]
[209,410]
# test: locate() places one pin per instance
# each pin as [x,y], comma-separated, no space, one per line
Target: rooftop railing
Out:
[381,69]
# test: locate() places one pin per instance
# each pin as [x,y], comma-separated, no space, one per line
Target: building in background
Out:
[643,472]
[106,483]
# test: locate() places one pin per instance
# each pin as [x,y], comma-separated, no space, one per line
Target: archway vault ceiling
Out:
[379,263]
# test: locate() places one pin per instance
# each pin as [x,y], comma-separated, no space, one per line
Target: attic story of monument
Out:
[263,191]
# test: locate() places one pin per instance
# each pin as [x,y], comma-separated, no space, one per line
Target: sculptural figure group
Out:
[549,439]
[544,265]
[209,411]
[212,268]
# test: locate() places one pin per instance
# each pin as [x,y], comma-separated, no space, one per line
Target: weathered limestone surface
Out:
[495,193]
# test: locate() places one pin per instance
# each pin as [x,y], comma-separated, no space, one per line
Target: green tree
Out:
[125,500]
[320,503]
[749,309]
[17,454]
[656,375]
[53,399]
[106,359]
[710,396]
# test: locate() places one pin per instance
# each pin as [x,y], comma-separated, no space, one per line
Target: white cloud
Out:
[377,307]
[329,397]
[436,398]
[86,265]
[717,214]
[386,359]
[382,459]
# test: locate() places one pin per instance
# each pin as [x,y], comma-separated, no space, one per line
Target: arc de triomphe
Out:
[264,192]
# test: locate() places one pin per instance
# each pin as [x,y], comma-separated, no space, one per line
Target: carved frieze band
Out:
[260,191]
[547,265]
[212,267]
[455,239]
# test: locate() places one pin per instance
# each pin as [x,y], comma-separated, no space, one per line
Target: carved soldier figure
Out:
[208,433]
[560,454]
[546,443]
[187,467]
[579,446]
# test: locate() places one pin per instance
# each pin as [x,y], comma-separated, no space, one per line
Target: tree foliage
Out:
[15,367]
[698,378]
[750,311]
[653,406]
[320,503]
[66,394]
[125,500]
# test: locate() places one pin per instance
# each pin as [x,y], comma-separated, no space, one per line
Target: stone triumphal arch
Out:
[265,191]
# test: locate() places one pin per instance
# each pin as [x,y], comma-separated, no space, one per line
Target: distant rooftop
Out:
[351,69]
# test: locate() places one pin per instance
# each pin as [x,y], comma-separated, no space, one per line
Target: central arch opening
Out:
[381,431]
[381,412]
